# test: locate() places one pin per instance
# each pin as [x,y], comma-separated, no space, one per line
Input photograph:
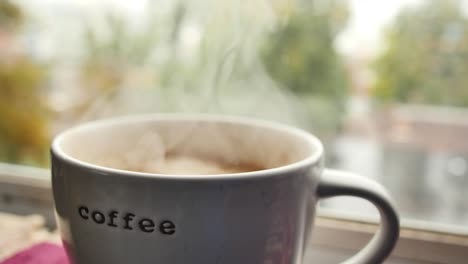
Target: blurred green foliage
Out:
[11,16]
[116,50]
[24,131]
[300,55]
[24,134]
[426,60]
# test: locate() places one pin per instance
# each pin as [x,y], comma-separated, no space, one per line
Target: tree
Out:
[24,136]
[299,54]
[426,59]
[119,58]
[10,15]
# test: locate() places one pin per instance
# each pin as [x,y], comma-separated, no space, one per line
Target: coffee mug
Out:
[109,214]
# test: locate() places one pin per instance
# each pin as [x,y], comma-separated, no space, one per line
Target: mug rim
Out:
[314,143]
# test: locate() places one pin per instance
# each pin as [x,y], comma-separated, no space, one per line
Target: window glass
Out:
[382,84]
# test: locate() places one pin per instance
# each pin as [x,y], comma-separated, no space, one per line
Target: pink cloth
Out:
[43,253]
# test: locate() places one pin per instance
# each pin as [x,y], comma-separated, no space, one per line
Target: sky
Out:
[368,19]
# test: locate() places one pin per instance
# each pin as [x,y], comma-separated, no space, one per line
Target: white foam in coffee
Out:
[149,154]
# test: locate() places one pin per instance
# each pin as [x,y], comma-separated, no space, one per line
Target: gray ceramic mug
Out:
[109,215]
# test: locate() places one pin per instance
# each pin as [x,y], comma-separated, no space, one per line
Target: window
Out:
[383,84]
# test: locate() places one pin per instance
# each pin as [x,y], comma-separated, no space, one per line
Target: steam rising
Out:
[202,61]
[207,63]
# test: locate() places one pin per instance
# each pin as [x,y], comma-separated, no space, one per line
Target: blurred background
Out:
[383,83]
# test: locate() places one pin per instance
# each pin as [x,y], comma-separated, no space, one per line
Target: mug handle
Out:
[338,183]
